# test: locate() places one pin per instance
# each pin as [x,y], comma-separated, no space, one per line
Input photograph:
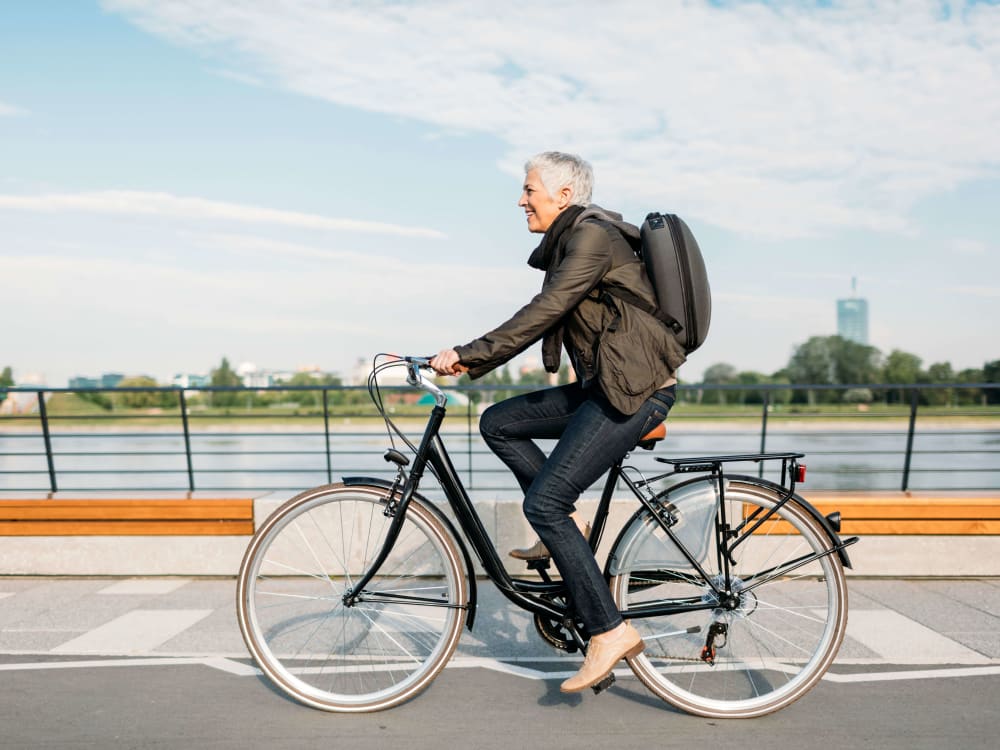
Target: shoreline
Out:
[308,425]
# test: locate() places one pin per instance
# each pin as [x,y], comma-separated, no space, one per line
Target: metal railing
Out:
[58,449]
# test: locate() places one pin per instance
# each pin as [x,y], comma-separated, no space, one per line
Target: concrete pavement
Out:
[159,663]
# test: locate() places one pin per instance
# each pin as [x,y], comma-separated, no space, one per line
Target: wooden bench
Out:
[911,513]
[126,516]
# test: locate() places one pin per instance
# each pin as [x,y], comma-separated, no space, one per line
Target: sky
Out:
[309,183]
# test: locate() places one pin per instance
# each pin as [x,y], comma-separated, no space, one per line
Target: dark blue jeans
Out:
[592,435]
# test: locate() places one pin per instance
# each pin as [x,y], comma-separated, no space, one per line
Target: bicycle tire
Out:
[392,642]
[786,626]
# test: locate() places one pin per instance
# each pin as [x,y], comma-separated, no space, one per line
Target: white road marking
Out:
[237,668]
[149,586]
[5,594]
[899,640]
[914,674]
[511,667]
[92,663]
[139,631]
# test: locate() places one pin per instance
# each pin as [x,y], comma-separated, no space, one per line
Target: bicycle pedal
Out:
[604,684]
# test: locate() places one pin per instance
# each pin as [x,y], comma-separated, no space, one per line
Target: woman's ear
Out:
[564,197]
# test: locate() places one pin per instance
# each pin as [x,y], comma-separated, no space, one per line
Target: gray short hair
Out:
[557,170]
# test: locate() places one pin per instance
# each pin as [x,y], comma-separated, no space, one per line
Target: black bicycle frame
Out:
[539,597]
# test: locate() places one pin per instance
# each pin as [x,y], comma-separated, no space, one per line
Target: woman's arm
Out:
[586,261]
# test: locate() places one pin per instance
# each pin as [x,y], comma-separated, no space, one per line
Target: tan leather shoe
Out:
[539,551]
[602,655]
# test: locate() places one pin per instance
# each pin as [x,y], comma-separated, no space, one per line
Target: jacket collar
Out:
[542,256]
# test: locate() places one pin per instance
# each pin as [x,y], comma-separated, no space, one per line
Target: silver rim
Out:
[776,643]
[377,653]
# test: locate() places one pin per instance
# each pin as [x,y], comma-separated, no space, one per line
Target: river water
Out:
[960,456]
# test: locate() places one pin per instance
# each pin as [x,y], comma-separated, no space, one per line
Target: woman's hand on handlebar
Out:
[446,362]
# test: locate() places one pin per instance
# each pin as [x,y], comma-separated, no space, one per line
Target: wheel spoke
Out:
[377,652]
[754,653]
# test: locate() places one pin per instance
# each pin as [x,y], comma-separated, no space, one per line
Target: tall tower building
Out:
[852,316]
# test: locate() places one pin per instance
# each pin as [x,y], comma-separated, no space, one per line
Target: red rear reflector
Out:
[800,473]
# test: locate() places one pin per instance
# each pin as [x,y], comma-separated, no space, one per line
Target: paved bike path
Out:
[160,663]
[891,621]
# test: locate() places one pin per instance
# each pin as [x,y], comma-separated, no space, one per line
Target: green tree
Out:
[901,368]
[311,398]
[812,363]
[749,377]
[144,399]
[97,397]
[854,363]
[940,372]
[223,375]
[991,374]
[968,396]
[720,373]
[6,380]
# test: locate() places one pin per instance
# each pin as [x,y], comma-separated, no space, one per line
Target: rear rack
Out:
[790,467]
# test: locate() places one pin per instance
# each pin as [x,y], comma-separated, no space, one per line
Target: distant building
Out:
[253,377]
[107,380]
[111,379]
[191,381]
[852,317]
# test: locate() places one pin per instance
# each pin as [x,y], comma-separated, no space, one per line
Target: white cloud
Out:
[180,207]
[971,248]
[782,120]
[988,292]
[349,304]
[9,110]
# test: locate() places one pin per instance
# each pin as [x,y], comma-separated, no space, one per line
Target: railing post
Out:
[187,440]
[48,441]
[763,430]
[326,432]
[468,437]
[914,398]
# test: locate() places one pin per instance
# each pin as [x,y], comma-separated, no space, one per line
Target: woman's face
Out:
[541,208]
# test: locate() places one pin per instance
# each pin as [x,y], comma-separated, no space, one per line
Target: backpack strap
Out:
[636,301]
[626,294]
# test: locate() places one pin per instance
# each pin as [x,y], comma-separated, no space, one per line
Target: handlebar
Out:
[414,377]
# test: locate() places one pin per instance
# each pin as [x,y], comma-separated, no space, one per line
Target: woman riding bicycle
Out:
[625,362]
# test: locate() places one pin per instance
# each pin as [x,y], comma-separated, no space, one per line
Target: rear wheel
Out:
[752,649]
[387,645]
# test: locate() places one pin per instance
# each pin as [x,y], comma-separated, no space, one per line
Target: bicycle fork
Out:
[397,511]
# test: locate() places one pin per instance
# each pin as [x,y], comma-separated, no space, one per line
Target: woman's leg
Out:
[594,438]
[511,427]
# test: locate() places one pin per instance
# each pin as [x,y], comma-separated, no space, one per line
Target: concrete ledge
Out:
[122,555]
[875,555]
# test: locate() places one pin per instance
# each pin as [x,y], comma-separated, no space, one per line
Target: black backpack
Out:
[676,270]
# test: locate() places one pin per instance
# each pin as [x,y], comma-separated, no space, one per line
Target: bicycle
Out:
[351,597]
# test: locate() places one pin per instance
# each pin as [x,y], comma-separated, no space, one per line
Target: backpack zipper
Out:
[690,314]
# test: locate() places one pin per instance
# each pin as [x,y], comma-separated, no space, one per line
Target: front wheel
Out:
[394,638]
[748,650]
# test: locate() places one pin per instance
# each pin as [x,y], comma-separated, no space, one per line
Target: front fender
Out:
[470,571]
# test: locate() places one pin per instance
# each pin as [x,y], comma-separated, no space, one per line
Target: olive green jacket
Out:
[623,349]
